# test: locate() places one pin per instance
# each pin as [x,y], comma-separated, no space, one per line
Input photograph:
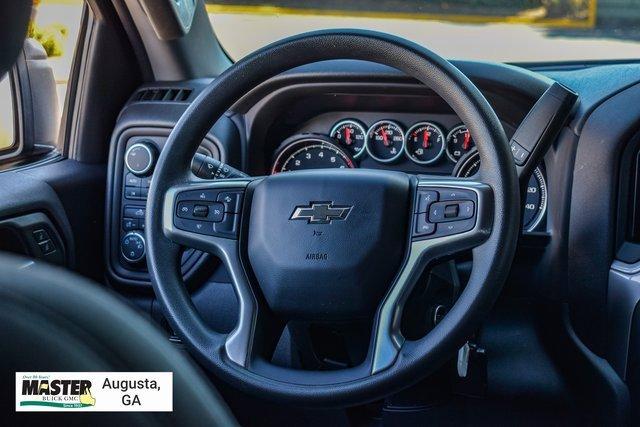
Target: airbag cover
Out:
[326,244]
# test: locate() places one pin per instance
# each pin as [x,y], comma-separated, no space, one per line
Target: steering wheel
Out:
[331,245]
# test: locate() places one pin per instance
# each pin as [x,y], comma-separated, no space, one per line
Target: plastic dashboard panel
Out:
[152,122]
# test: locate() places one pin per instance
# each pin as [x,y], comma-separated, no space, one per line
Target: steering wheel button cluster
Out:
[209,212]
[444,211]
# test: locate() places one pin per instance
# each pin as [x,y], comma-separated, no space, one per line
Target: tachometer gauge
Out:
[535,204]
[302,152]
[385,140]
[424,143]
[351,135]
[459,143]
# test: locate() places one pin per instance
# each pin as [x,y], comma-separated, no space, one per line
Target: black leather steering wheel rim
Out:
[492,259]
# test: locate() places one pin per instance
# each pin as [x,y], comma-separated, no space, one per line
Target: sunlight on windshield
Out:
[497,30]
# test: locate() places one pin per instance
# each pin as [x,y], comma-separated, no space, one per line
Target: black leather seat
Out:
[55,321]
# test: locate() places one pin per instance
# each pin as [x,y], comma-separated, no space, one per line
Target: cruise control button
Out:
[232,200]
[228,227]
[423,227]
[216,212]
[185,209]
[195,226]
[425,198]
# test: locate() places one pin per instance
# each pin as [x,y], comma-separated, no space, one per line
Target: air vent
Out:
[163,95]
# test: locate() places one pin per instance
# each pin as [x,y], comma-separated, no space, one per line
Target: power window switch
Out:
[47,247]
[40,235]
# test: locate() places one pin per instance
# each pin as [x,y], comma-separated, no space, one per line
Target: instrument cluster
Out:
[385,141]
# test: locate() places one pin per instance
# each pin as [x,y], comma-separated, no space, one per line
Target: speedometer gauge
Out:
[424,143]
[303,152]
[535,204]
[385,140]
[351,135]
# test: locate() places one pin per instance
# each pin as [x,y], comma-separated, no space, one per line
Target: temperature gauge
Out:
[351,135]
[424,143]
[384,141]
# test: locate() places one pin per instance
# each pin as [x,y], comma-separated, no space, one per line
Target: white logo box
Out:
[94,391]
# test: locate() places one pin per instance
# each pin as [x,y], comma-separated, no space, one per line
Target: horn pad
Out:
[327,244]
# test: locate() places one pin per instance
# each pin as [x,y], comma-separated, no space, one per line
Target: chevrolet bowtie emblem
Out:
[320,213]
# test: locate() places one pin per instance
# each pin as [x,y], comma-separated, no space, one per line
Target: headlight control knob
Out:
[133,247]
[140,158]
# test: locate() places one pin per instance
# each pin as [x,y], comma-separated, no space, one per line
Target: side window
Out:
[7,129]
[32,96]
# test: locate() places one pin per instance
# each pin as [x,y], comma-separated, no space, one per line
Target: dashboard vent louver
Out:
[163,95]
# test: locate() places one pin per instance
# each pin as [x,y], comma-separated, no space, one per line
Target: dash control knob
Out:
[133,247]
[140,158]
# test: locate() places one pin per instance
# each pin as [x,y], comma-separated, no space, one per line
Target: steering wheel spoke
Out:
[449,216]
[207,215]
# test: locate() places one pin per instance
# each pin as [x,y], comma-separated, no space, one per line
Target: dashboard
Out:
[320,116]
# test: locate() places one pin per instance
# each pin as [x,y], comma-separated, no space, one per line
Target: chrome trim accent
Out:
[238,342]
[388,338]
[151,159]
[144,247]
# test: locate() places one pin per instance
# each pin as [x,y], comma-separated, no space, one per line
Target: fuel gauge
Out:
[424,143]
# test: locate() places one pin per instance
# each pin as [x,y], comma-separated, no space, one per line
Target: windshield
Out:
[496,30]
